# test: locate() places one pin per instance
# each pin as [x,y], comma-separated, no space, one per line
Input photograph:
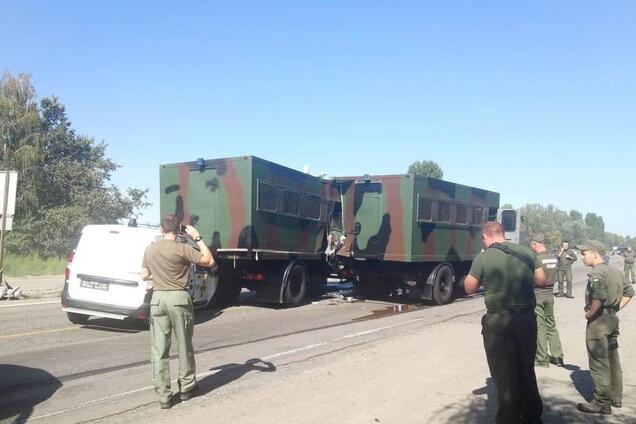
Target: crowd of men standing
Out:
[519,329]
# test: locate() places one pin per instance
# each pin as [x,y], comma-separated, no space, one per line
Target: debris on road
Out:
[8,292]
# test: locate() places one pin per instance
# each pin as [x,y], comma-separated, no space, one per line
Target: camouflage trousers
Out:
[565,276]
[548,341]
[171,310]
[630,272]
[601,339]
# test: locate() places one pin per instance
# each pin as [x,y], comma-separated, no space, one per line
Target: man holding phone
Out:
[167,263]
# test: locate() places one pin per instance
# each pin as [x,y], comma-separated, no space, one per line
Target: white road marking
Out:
[207,373]
[15,305]
[33,333]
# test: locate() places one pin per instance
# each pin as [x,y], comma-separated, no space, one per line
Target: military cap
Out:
[538,237]
[591,245]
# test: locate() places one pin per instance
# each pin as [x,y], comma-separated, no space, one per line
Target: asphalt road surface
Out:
[327,361]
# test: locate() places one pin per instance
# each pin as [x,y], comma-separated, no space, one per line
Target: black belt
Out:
[515,311]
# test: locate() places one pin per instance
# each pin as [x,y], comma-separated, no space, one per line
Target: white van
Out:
[103,275]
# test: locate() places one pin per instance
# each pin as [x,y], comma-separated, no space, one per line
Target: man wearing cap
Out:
[566,257]
[548,342]
[628,264]
[509,272]
[606,293]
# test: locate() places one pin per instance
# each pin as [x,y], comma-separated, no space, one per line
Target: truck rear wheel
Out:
[295,281]
[443,285]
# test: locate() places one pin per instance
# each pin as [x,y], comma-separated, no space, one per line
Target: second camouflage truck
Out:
[281,232]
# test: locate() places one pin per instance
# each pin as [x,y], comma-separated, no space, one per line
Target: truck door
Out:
[203,188]
[510,219]
[203,195]
[368,221]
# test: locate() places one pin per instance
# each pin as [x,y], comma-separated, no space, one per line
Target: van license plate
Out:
[94,285]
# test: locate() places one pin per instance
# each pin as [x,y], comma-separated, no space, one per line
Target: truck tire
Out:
[443,285]
[295,280]
[77,318]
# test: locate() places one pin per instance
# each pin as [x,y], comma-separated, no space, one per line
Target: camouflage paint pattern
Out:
[381,214]
[221,200]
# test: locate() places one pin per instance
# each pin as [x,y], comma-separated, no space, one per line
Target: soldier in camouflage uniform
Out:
[607,292]
[566,257]
[628,258]
[508,273]
[548,342]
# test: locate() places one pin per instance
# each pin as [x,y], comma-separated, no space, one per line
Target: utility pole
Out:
[5,202]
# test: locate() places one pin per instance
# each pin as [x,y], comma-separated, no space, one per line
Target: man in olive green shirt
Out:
[607,292]
[549,348]
[566,257]
[167,263]
[628,265]
[509,273]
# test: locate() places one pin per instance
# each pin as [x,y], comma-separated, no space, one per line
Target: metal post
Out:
[5,202]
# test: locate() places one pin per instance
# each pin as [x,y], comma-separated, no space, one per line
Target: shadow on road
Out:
[230,372]
[21,389]
[556,410]
[582,381]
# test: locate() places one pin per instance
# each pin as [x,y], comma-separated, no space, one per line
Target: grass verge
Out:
[32,265]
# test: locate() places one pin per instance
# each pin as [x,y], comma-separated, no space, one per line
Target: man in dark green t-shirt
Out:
[606,293]
[509,272]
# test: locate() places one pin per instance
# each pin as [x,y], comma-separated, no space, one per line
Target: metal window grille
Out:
[310,207]
[424,209]
[443,211]
[267,197]
[291,203]
[478,216]
[461,214]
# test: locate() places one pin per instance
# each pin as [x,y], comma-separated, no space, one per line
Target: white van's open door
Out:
[510,219]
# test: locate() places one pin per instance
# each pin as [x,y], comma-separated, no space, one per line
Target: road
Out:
[328,361]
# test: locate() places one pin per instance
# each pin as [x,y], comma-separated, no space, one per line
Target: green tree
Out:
[64,177]
[426,168]
[576,215]
[597,226]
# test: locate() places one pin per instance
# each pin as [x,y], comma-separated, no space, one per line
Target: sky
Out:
[535,100]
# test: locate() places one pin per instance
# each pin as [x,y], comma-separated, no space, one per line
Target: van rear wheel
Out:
[77,318]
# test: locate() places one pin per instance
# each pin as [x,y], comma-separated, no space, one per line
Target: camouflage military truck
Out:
[281,232]
[266,224]
[417,233]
